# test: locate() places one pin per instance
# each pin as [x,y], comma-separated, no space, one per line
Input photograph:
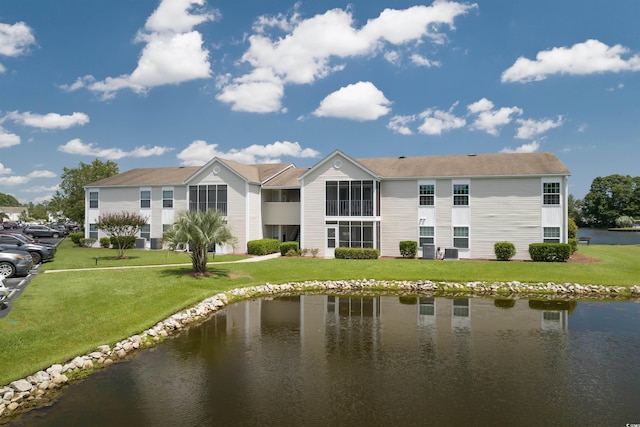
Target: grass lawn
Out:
[65,314]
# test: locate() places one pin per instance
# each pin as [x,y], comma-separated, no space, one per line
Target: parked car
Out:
[41,231]
[4,291]
[61,228]
[29,239]
[14,262]
[39,253]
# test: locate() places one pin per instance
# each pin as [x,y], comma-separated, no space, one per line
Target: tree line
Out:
[609,198]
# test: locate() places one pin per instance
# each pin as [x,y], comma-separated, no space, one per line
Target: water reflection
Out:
[351,360]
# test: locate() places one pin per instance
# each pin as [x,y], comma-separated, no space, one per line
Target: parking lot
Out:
[17,285]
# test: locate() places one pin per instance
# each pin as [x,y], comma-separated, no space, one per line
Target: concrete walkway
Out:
[250,259]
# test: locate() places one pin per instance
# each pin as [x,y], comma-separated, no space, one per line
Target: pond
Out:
[600,236]
[320,360]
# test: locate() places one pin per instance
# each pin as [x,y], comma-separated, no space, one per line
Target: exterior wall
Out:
[237,201]
[254,215]
[444,205]
[313,215]
[398,215]
[505,209]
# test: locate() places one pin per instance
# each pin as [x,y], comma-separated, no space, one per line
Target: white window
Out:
[145,199]
[145,231]
[551,193]
[93,231]
[461,194]
[551,235]
[167,198]
[427,193]
[93,199]
[426,236]
[461,237]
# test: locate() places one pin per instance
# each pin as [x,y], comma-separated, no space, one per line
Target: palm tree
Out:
[200,230]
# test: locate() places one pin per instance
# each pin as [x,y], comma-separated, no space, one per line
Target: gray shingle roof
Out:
[282,175]
[501,164]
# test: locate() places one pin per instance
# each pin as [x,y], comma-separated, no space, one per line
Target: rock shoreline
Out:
[38,388]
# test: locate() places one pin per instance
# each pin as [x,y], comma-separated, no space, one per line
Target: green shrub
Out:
[504,250]
[314,252]
[88,242]
[408,248]
[573,242]
[127,242]
[287,247]
[572,228]
[263,246]
[105,242]
[504,303]
[75,237]
[356,253]
[550,252]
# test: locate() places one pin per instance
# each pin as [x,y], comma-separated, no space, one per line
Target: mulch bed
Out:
[578,258]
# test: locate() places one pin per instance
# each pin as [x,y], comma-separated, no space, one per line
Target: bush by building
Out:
[290,248]
[504,251]
[263,246]
[408,248]
[550,252]
[356,253]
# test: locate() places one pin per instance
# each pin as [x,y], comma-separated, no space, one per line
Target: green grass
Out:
[69,256]
[65,314]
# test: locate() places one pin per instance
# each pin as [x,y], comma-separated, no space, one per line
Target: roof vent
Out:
[471,155]
[401,157]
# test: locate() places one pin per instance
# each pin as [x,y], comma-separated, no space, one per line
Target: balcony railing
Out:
[349,208]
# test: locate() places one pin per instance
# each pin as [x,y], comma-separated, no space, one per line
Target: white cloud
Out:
[437,121]
[423,62]
[173,52]
[76,146]
[199,152]
[259,92]
[400,124]
[490,120]
[41,189]
[8,139]
[13,180]
[590,57]
[524,148]
[531,128]
[15,39]
[5,170]
[310,47]
[48,121]
[360,101]
[41,174]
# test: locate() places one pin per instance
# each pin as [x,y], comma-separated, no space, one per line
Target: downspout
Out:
[565,214]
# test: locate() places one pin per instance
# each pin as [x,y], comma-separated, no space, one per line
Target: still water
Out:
[375,361]
[605,237]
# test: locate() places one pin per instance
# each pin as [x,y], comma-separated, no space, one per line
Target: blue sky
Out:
[150,83]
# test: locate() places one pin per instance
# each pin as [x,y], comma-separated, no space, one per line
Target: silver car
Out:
[15,262]
[4,291]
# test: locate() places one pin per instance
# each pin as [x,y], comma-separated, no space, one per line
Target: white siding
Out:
[236,201]
[505,210]
[254,213]
[399,220]
[313,235]
[444,202]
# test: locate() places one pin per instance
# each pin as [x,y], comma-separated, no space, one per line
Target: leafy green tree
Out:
[70,196]
[39,212]
[201,230]
[122,227]
[8,200]
[611,197]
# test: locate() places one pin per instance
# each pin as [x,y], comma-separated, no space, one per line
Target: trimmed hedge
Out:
[263,246]
[408,248]
[550,252]
[504,250]
[88,242]
[290,248]
[356,253]
[105,242]
[75,237]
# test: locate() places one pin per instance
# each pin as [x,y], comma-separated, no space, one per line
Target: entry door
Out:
[331,241]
